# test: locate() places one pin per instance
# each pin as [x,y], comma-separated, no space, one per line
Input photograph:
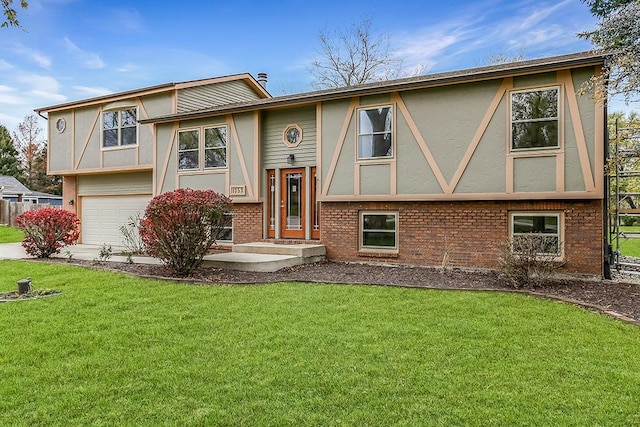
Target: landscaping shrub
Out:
[628,221]
[529,260]
[131,238]
[179,227]
[48,230]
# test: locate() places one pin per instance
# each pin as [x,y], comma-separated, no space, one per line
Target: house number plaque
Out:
[237,190]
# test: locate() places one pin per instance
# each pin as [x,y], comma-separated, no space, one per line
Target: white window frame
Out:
[205,148]
[390,132]
[544,119]
[230,227]
[202,149]
[190,150]
[119,128]
[559,234]
[361,232]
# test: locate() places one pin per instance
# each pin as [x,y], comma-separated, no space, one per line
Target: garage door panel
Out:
[102,217]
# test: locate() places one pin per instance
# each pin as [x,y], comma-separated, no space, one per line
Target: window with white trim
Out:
[202,148]
[541,229]
[535,119]
[375,132]
[226,235]
[120,127]
[379,230]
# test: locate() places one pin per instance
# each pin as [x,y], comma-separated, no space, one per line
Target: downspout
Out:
[606,219]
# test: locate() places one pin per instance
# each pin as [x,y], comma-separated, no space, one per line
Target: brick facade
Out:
[247,222]
[467,234]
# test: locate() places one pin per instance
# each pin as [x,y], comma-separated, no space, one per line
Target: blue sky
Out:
[76,49]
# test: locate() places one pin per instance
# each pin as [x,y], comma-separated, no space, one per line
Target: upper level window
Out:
[215,147]
[208,143]
[534,119]
[375,130]
[120,127]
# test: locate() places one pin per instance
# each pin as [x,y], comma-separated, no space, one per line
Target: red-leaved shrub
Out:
[179,227]
[48,230]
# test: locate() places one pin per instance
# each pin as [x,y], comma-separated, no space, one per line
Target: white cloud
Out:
[128,68]
[4,65]
[39,82]
[48,96]
[88,91]
[88,59]
[34,55]
[9,97]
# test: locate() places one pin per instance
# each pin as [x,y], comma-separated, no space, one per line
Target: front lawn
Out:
[117,350]
[10,234]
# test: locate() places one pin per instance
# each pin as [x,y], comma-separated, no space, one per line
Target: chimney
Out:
[262,79]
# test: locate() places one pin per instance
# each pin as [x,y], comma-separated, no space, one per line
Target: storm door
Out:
[292,203]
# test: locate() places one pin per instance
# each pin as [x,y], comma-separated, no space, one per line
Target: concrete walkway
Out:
[243,261]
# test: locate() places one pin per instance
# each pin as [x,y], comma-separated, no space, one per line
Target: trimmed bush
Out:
[179,227]
[48,230]
[529,260]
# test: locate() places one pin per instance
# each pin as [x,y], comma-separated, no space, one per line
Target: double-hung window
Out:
[375,132]
[379,230]
[539,231]
[535,119]
[202,148]
[119,127]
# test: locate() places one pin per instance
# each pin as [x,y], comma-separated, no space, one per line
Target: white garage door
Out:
[102,217]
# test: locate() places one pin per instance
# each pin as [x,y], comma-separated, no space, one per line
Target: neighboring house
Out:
[434,169]
[13,190]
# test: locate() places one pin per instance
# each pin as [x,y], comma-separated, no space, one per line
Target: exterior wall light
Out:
[290,159]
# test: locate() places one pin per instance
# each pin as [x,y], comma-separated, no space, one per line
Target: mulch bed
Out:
[616,298]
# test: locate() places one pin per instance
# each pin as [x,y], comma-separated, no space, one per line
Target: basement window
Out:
[379,230]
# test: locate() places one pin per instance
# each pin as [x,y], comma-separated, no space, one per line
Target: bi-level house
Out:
[424,170]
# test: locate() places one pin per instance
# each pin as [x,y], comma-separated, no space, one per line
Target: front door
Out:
[292,203]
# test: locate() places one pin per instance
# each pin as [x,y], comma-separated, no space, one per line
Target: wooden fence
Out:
[10,210]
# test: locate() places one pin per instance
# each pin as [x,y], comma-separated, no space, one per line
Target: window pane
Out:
[374,132]
[536,104]
[188,140]
[215,157]
[374,146]
[129,136]
[128,117]
[110,138]
[215,137]
[110,120]
[188,160]
[374,238]
[375,120]
[535,134]
[535,224]
[379,222]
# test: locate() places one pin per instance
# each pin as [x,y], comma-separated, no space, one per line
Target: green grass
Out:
[116,350]
[10,234]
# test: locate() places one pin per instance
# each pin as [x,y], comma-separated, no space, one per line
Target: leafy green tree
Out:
[602,8]
[10,14]
[9,163]
[624,149]
[617,35]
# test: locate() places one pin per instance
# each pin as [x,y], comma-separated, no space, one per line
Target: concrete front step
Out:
[299,250]
[253,262]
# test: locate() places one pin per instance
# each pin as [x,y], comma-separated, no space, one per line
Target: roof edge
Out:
[581,59]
